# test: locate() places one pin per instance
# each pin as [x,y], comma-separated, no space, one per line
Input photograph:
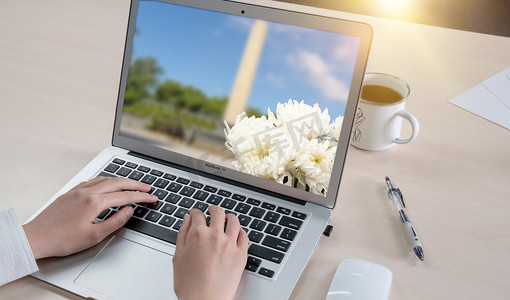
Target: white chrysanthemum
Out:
[312,166]
[336,127]
[258,147]
[300,120]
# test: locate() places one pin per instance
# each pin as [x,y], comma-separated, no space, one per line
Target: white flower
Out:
[258,147]
[312,166]
[336,127]
[300,120]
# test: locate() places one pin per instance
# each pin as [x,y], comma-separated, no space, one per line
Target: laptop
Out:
[223,103]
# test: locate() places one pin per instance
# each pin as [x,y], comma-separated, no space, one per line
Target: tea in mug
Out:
[380,94]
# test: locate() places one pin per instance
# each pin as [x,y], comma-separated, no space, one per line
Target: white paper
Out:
[489,99]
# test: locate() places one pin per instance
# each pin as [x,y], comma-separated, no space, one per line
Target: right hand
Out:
[209,260]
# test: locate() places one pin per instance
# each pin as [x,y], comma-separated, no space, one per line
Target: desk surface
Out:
[59,70]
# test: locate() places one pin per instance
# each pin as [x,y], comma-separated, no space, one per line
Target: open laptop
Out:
[204,116]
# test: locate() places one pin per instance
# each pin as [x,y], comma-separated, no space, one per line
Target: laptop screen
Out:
[259,97]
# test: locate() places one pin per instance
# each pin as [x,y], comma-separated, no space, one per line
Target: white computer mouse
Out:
[360,280]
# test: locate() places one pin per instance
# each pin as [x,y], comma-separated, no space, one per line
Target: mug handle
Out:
[414,124]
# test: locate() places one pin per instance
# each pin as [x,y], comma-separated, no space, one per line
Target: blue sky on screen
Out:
[204,49]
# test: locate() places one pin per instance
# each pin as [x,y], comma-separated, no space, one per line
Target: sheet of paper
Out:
[489,99]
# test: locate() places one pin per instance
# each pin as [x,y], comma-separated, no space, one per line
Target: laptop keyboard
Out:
[270,228]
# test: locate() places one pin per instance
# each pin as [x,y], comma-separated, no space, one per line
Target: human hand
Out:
[209,261]
[68,224]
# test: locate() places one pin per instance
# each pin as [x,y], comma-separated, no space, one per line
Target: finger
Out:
[109,185]
[183,233]
[116,221]
[233,227]
[243,240]
[197,218]
[217,218]
[125,198]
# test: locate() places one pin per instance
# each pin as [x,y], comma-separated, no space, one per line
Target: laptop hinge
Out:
[229,181]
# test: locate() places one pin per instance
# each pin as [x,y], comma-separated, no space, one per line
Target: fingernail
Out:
[185,218]
[129,211]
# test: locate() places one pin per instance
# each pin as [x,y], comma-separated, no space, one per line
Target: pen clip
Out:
[401,197]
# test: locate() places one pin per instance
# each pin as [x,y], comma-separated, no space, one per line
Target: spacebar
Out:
[158,232]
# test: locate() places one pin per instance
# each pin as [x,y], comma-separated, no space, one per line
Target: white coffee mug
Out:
[378,120]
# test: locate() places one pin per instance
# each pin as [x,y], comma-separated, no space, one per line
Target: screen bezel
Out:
[361,30]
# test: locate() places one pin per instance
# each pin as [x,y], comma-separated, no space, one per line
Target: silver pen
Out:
[409,230]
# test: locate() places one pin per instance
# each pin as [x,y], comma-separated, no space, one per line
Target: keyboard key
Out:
[103,213]
[266,272]
[244,220]
[214,199]
[168,208]
[238,197]
[276,243]
[272,217]
[161,194]
[242,208]
[148,179]
[131,165]
[202,206]
[161,183]
[228,203]
[143,169]
[156,173]
[253,201]
[174,187]
[169,176]
[252,264]
[119,161]
[290,222]
[251,267]
[155,205]
[288,234]
[258,224]
[104,174]
[167,221]
[197,185]
[123,172]
[224,193]
[112,168]
[257,212]
[299,215]
[273,229]
[211,189]
[181,212]
[283,210]
[255,236]
[254,261]
[187,191]
[186,202]
[153,216]
[173,198]
[268,206]
[183,180]
[177,225]
[152,230]
[266,253]
[140,212]
[201,195]
[135,175]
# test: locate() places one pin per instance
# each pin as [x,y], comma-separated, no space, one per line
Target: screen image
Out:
[259,97]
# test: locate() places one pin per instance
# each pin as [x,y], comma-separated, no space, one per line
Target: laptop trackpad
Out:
[128,270]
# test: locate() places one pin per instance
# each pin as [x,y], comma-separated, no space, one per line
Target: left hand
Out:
[68,224]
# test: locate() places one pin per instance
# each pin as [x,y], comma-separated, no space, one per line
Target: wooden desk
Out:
[59,71]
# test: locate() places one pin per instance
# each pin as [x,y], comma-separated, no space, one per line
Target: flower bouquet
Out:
[296,146]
